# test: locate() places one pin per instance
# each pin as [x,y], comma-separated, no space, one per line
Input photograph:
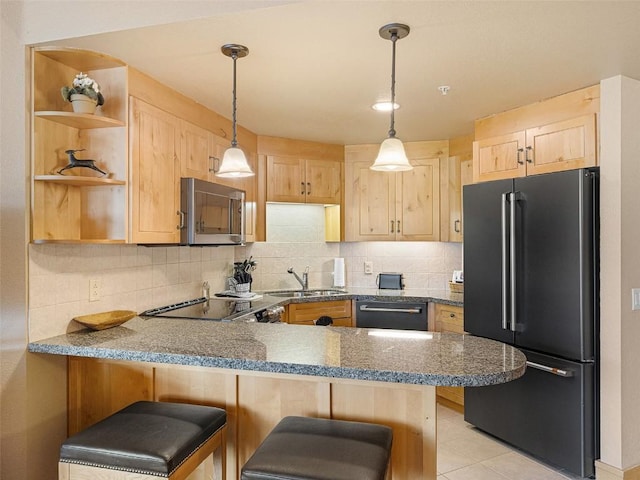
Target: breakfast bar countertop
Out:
[422,358]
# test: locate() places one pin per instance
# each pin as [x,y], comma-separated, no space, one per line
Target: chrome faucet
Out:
[304,281]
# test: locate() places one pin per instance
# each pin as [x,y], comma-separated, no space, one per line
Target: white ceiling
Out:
[315,67]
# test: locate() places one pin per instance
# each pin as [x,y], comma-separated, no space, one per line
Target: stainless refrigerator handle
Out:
[366,308]
[505,264]
[555,371]
[512,259]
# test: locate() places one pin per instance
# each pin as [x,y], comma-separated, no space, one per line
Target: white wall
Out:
[620,270]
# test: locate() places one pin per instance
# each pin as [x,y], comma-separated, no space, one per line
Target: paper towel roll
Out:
[338,272]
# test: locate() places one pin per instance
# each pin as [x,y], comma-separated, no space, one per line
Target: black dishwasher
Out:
[396,315]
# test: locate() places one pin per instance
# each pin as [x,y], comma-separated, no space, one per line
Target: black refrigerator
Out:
[530,257]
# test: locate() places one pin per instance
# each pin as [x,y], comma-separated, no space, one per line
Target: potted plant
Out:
[84,94]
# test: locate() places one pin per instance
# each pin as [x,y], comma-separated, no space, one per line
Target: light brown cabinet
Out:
[299,180]
[549,136]
[549,148]
[459,172]
[80,206]
[308,313]
[155,174]
[383,206]
[449,318]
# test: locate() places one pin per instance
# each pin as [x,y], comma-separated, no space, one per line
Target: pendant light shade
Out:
[392,157]
[234,162]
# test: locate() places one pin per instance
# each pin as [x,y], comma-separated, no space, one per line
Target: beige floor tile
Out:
[451,459]
[476,472]
[518,467]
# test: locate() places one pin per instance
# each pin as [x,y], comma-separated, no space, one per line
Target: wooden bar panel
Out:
[202,386]
[411,412]
[98,388]
[264,401]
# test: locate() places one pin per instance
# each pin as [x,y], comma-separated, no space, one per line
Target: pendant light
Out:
[234,162]
[391,156]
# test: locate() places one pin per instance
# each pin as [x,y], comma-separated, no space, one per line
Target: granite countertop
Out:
[426,358]
[411,295]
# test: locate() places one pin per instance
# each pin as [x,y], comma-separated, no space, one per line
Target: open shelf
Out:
[78,181]
[79,120]
[88,241]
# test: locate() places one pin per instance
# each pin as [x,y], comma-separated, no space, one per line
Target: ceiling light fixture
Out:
[392,157]
[384,106]
[234,162]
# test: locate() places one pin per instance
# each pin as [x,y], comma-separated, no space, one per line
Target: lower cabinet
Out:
[308,313]
[449,318]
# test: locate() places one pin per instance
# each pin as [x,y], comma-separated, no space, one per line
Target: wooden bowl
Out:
[101,321]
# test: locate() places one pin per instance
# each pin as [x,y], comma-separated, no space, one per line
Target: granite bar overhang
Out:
[423,358]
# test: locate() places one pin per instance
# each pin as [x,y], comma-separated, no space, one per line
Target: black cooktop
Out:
[203,309]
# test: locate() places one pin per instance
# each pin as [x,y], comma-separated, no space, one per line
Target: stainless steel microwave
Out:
[211,214]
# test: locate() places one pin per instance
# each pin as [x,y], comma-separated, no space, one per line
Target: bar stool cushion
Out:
[145,437]
[303,448]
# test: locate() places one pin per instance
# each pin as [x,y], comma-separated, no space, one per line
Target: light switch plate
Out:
[635,299]
[368,267]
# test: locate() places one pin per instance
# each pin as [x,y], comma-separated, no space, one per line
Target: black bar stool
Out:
[147,440]
[320,449]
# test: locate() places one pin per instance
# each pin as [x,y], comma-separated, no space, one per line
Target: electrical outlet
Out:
[94,290]
[368,267]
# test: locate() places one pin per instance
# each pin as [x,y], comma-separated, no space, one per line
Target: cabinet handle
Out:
[452,315]
[308,188]
[180,226]
[456,226]
[526,157]
[302,188]
[215,164]
[520,162]
[392,227]
[398,229]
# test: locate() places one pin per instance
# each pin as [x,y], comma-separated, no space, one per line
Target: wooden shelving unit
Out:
[78,208]
[80,120]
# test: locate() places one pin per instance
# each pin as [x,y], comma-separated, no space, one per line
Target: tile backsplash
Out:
[130,278]
[138,278]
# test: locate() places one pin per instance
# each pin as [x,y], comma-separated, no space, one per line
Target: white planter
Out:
[83,104]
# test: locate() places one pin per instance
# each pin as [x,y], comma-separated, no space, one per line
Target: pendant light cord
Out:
[234,141]
[392,129]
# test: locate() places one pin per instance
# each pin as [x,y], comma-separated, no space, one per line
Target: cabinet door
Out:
[323,182]
[450,319]
[194,148]
[369,203]
[285,179]
[155,174]
[308,313]
[565,145]
[499,157]
[418,201]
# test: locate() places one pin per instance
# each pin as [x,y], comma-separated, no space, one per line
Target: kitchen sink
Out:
[305,293]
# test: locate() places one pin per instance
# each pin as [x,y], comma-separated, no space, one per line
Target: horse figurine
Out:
[74,162]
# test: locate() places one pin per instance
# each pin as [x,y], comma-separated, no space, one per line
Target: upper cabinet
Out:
[549,136]
[393,206]
[457,174]
[155,174]
[299,180]
[81,204]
